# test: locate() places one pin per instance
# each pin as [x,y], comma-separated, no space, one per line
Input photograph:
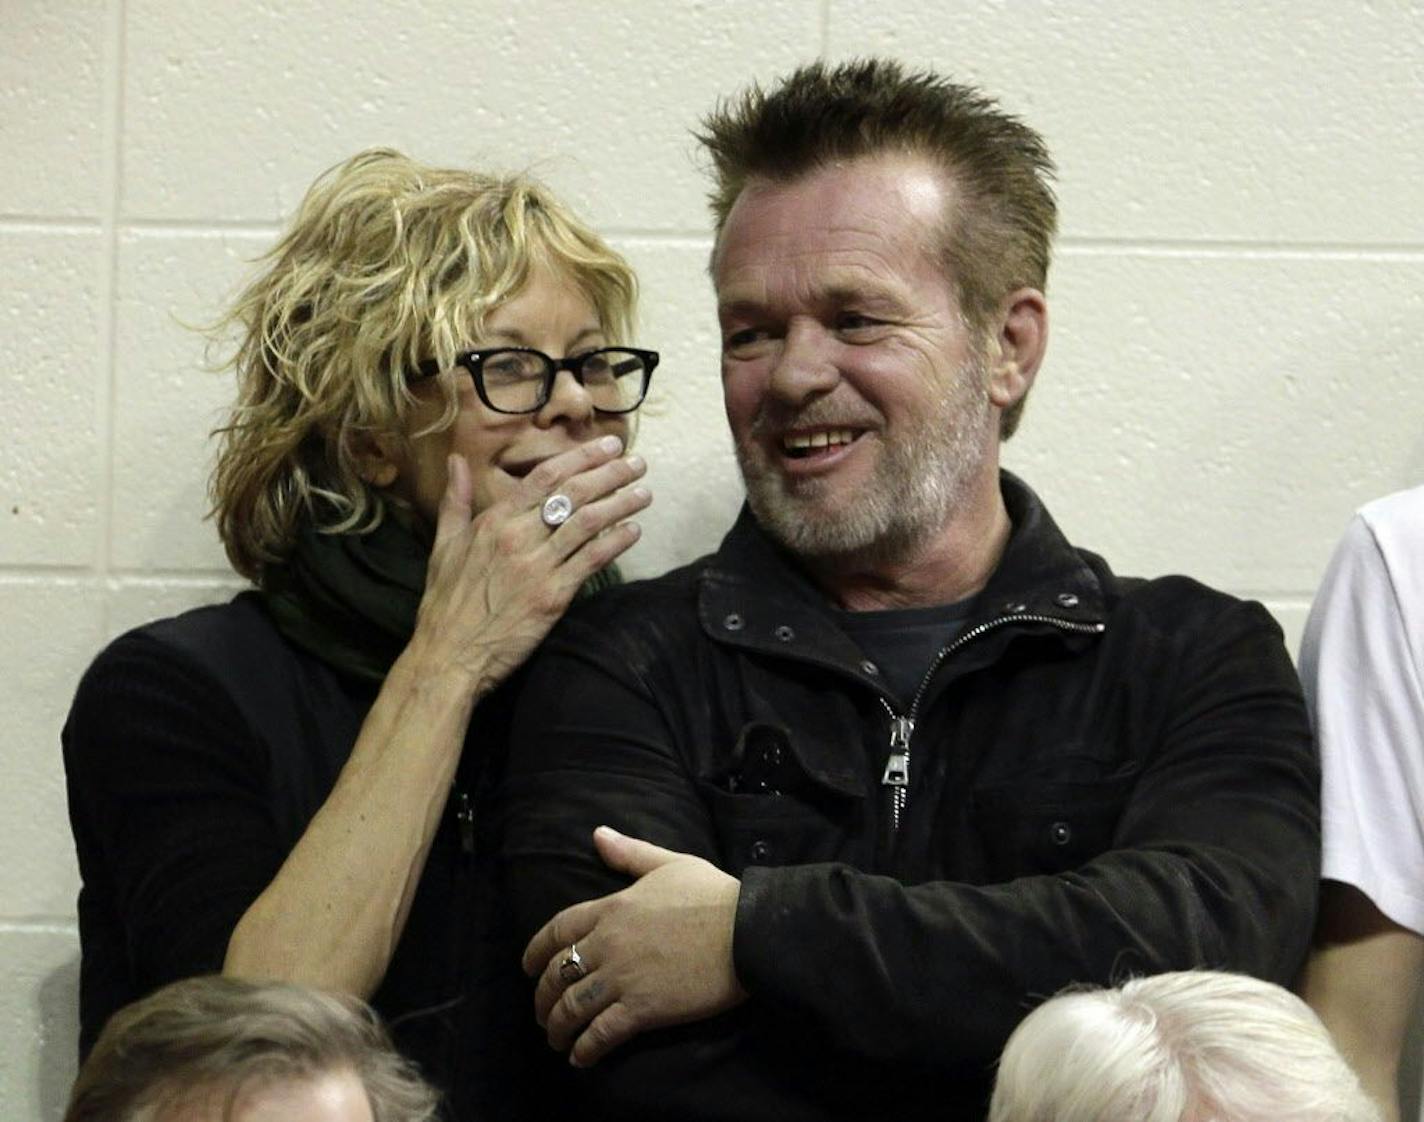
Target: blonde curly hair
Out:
[387,262]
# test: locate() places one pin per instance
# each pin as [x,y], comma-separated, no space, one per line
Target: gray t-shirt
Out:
[904,641]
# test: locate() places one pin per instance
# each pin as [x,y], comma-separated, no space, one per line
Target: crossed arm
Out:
[679,910]
[1214,864]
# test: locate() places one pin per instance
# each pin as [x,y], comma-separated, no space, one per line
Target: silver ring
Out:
[572,969]
[556,510]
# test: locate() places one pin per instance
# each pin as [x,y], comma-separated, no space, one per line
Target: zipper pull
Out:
[465,816]
[897,767]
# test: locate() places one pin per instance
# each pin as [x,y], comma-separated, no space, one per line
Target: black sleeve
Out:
[589,746]
[1214,863]
[171,807]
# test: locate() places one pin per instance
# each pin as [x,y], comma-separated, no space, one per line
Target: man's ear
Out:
[378,457]
[1016,351]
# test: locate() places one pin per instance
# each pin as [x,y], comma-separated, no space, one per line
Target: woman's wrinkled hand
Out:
[500,579]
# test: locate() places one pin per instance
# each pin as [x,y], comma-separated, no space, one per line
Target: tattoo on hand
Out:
[590,994]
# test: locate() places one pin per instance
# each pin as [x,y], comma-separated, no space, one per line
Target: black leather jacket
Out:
[1106,777]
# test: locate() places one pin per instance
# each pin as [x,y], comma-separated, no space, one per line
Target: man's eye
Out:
[745,339]
[854,321]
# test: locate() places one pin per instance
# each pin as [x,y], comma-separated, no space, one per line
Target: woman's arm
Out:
[497,582]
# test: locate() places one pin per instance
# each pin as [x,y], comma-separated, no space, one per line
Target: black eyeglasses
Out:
[521,379]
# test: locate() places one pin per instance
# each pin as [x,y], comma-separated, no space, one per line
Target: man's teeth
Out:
[826,438]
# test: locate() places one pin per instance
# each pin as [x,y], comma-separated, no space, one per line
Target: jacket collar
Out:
[753,594]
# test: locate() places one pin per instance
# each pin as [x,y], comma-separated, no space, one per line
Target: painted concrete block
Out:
[39,1018]
[136,601]
[166,398]
[52,108]
[51,476]
[1223,414]
[52,631]
[223,100]
[1208,120]
[682,431]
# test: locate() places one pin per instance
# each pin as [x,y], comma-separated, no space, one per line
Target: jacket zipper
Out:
[896,777]
[465,820]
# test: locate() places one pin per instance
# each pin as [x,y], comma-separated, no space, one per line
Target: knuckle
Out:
[544,476]
[615,1025]
[585,520]
[506,539]
[599,1036]
[487,519]
[590,993]
[606,548]
[567,1005]
[549,602]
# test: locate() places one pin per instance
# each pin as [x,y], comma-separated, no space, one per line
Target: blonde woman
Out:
[425,464]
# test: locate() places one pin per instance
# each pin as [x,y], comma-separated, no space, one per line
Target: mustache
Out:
[773,417]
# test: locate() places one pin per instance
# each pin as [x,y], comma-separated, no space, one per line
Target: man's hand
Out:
[657,953]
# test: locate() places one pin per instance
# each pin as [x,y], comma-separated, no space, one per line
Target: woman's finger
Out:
[587,522]
[454,514]
[597,482]
[547,477]
[594,483]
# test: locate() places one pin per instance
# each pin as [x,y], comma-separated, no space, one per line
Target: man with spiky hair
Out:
[897,761]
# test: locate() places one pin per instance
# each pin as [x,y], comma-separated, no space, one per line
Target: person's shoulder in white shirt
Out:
[1361,661]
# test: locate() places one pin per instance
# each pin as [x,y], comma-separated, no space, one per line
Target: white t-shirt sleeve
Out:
[1360,666]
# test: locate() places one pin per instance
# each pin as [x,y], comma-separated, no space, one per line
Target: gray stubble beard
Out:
[921,478]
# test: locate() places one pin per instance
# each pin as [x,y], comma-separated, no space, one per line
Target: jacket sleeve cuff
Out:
[769,927]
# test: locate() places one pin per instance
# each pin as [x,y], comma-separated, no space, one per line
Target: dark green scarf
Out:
[351,599]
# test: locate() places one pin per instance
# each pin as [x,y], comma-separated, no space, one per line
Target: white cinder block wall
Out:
[1237,301]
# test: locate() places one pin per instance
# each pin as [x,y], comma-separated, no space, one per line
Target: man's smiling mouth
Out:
[802,445]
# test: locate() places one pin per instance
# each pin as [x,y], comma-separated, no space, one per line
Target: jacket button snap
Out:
[1067,600]
[759,851]
[1061,833]
[1015,606]
[870,667]
[785,634]
[733,622]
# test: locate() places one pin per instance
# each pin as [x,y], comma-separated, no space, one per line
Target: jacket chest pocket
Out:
[1043,826]
[771,806]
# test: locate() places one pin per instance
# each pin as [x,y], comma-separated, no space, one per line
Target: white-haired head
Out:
[1191,1046]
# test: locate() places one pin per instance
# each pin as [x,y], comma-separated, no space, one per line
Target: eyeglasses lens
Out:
[615,380]
[517,381]
[514,380]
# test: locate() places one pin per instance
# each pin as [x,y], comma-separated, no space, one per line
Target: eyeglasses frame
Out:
[472,362]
